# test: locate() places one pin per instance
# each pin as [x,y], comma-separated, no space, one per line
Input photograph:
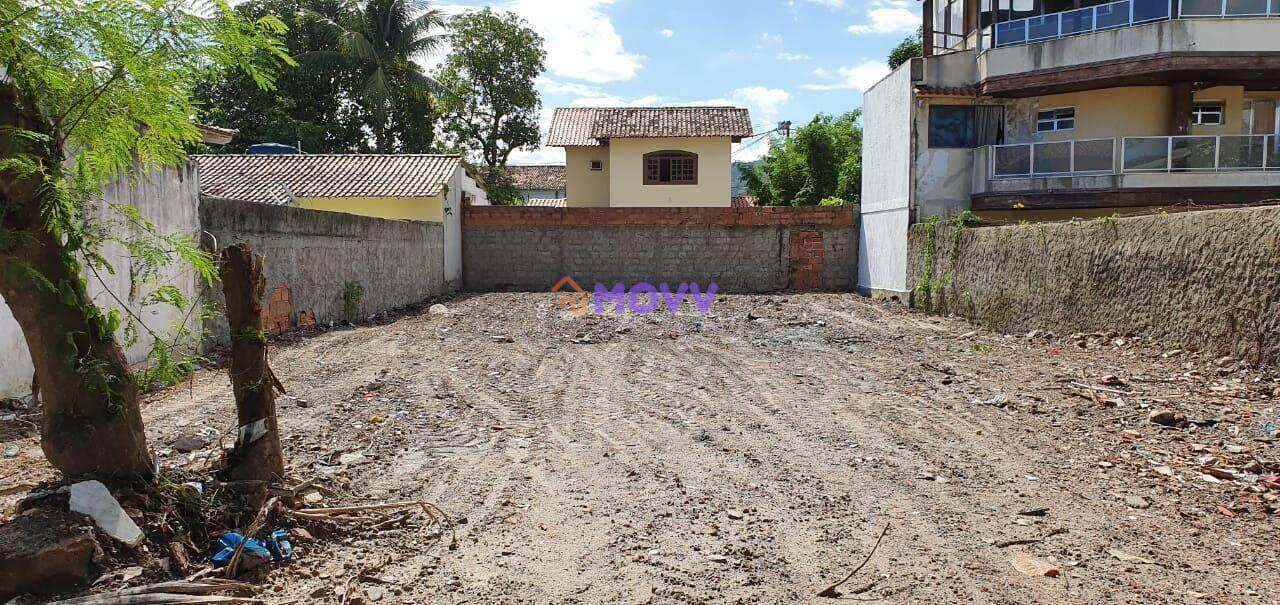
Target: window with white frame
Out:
[1056,119]
[1209,113]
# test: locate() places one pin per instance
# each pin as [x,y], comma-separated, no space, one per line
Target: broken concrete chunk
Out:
[191,441]
[438,309]
[351,459]
[92,498]
[45,551]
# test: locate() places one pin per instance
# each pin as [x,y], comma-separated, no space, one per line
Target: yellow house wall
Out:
[584,187]
[1233,104]
[1112,112]
[402,208]
[626,172]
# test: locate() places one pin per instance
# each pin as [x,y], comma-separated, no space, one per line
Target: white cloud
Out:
[580,39]
[548,86]
[541,155]
[888,17]
[667,33]
[765,103]
[792,57]
[858,77]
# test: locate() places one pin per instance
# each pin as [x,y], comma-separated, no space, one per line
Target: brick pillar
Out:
[805,257]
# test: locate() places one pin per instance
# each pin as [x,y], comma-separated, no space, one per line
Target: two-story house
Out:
[1053,109]
[648,156]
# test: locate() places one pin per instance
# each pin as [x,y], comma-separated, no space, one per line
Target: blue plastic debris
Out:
[278,544]
[276,548]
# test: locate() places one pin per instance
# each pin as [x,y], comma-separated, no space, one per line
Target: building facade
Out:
[648,157]
[1053,109]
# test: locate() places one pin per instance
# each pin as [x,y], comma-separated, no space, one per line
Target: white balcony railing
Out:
[1227,9]
[1131,155]
[1080,21]
[1123,13]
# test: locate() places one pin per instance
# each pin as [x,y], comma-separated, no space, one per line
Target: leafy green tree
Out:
[491,102]
[310,107]
[906,50]
[823,160]
[92,92]
[380,42]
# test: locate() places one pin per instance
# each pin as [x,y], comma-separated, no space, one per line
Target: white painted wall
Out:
[479,197]
[170,199]
[888,113]
[453,228]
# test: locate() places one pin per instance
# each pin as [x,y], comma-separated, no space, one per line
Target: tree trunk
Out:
[258,455]
[91,425]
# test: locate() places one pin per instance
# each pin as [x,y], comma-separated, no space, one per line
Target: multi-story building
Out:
[1052,109]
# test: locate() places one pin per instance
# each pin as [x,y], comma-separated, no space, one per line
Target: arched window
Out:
[671,168]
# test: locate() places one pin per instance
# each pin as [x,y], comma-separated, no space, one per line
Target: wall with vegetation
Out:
[330,266]
[168,199]
[1208,279]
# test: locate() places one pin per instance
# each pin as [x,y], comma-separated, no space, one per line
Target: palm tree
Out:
[380,40]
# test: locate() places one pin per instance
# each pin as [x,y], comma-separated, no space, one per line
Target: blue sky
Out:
[783,59]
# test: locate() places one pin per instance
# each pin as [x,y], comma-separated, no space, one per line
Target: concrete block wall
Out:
[311,256]
[1209,279]
[741,249]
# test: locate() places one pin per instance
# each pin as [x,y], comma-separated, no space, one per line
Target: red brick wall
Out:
[512,216]
[277,311]
[805,259]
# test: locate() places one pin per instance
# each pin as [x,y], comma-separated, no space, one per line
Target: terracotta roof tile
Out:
[590,126]
[276,179]
[743,201]
[947,91]
[539,203]
[537,177]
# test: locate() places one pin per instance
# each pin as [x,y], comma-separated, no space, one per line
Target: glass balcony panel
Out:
[1077,21]
[1112,15]
[1042,28]
[1275,8]
[1012,160]
[1148,153]
[1052,158]
[1011,32]
[1193,153]
[1241,153]
[1201,8]
[1273,152]
[1246,8]
[1095,156]
[1153,10]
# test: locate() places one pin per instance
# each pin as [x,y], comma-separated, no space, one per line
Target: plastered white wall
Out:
[170,199]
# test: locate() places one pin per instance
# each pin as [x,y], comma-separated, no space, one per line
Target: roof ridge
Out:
[328,155]
[655,107]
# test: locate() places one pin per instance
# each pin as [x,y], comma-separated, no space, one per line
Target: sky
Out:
[782,59]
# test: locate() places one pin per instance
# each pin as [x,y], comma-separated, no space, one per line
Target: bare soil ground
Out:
[754,454]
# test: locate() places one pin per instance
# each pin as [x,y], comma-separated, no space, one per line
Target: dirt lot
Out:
[753,455]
